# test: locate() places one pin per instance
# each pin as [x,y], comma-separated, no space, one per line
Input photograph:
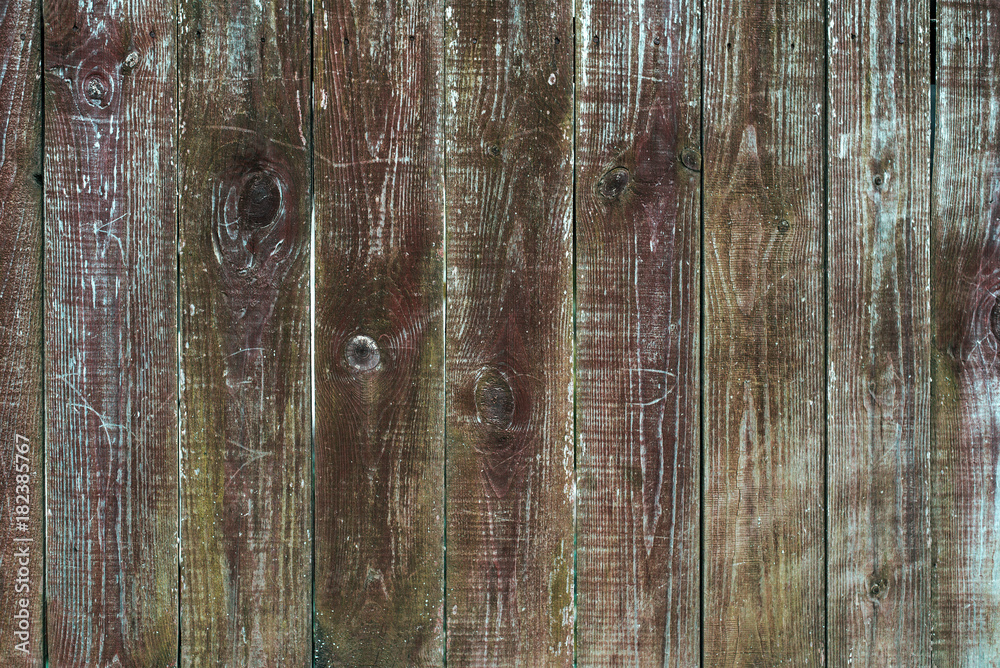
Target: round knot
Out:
[494,399]
[362,353]
[877,587]
[259,201]
[97,89]
[613,184]
[691,159]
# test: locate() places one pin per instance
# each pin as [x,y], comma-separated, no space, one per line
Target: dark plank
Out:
[638,235]
[379,334]
[878,419]
[21,478]
[110,334]
[763,334]
[965,288]
[509,93]
[246,491]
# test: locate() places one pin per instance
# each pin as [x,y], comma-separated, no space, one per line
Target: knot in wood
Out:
[97,89]
[259,201]
[784,226]
[361,353]
[130,62]
[995,318]
[691,158]
[494,399]
[877,587]
[613,183]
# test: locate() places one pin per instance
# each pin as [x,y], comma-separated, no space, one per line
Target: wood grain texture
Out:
[21,475]
[246,491]
[763,328]
[379,334]
[966,313]
[638,236]
[878,419]
[110,334]
[510,459]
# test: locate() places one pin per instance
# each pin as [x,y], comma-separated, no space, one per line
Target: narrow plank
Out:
[379,334]
[965,288]
[878,419]
[110,334]
[638,235]
[21,476]
[509,187]
[763,334]
[244,209]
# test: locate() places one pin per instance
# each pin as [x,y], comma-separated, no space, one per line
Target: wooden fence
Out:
[508,333]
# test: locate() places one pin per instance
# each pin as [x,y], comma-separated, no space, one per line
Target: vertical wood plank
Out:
[21,475]
[764,333]
[878,420]
[510,460]
[110,333]
[638,284]
[379,334]
[966,308]
[244,73]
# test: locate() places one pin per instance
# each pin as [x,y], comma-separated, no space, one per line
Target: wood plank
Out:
[110,334]
[638,235]
[379,334]
[21,476]
[509,187]
[878,418]
[246,492]
[965,289]
[763,334]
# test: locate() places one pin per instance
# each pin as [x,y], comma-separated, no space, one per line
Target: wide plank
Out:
[21,477]
[110,333]
[244,209]
[965,291]
[379,334]
[878,419]
[509,345]
[763,383]
[638,268]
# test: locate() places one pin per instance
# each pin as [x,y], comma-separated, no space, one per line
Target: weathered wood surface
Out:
[21,477]
[246,484]
[763,544]
[638,237]
[878,418]
[110,334]
[509,188]
[966,328]
[379,334]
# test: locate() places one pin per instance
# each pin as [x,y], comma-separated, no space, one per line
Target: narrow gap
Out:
[930,284]
[826,328]
[701,333]
[443,128]
[576,491]
[42,311]
[312,329]
[178,315]
[933,10]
